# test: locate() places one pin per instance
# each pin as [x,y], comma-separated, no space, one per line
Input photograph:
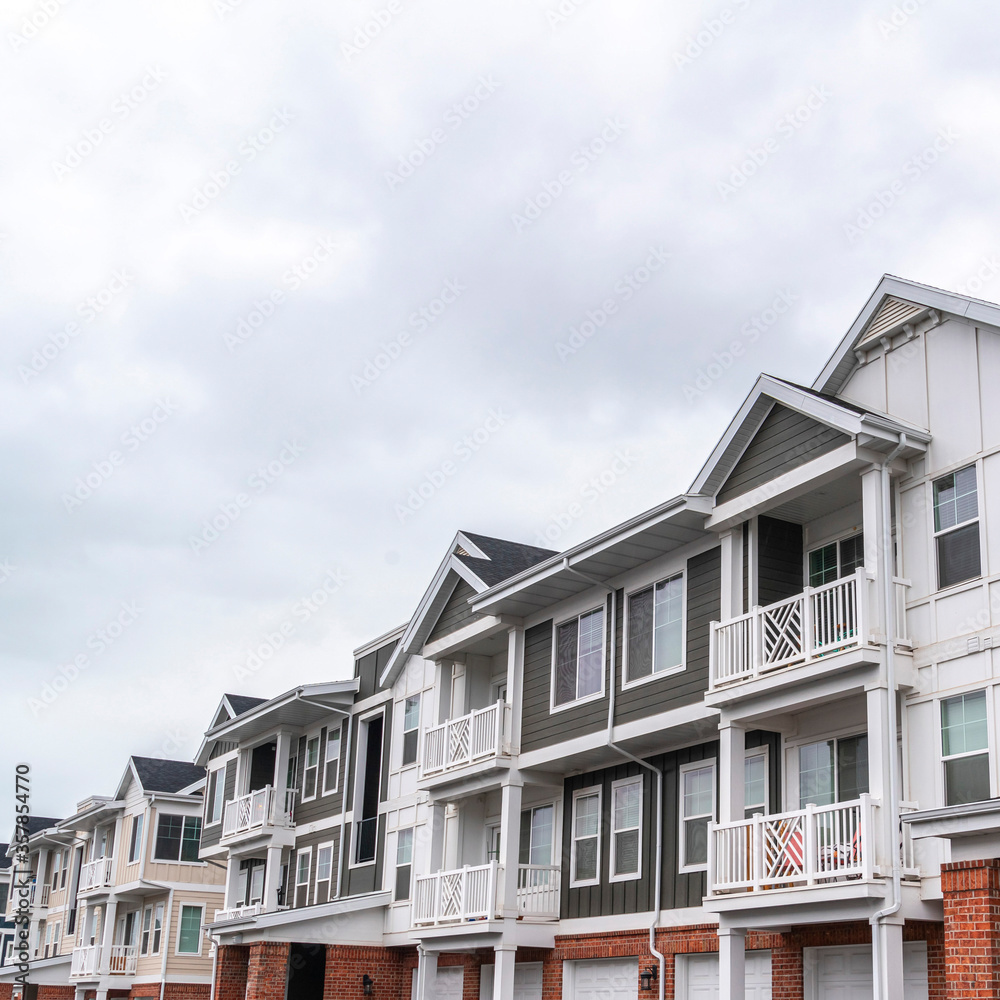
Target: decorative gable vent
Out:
[894,313]
[459,551]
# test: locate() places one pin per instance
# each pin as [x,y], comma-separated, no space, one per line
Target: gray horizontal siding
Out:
[785,440]
[211,835]
[779,560]
[312,841]
[369,668]
[366,878]
[322,806]
[703,586]
[456,613]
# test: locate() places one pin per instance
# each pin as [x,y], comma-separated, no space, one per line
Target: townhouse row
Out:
[742,745]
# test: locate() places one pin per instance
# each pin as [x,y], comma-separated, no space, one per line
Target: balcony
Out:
[471,738]
[86,961]
[97,874]
[258,812]
[123,959]
[471,894]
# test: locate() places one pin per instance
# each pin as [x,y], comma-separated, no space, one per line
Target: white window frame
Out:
[326,759]
[978,519]
[201,930]
[613,876]
[989,692]
[306,767]
[135,843]
[307,851]
[582,793]
[219,773]
[180,850]
[655,674]
[834,540]
[420,705]
[695,765]
[602,691]
[146,931]
[315,875]
[360,766]
[765,752]
[159,911]
[412,831]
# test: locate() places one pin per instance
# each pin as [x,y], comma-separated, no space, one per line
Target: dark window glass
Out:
[566,645]
[967,779]
[169,832]
[852,768]
[823,565]
[852,554]
[192,838]
[958,555]
[640,634]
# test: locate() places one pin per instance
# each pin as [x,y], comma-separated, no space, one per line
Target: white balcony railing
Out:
[240,912]
[123,959]
[476,893]
[86,961]
[97,874]
[45,894]
[469,738]
[815,623]
[258,811]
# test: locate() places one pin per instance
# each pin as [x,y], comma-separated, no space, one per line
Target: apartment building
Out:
[121,894]
[6,924]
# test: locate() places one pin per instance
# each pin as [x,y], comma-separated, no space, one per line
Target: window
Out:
[833,771]
[292,774]
[626,821]
[157,928]
[536,835]
[965,748]
[755,782]
[836,560]
[65,870]
[311,774]
[324,872]
[177,838]
[331,762]
[579,658]
[404,863]
[56,935]
[147,924]
[585,861]
[302,865]
[411,729]
[656,629]
[56,865]
[697,811]
[956,527]
[189,931]
[216,794]
[135,839]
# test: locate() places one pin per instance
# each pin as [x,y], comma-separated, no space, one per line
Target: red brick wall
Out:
[56,992]
[231,972]
[267,970]
[971,892]
[6,991]
[188,991]
[388,967]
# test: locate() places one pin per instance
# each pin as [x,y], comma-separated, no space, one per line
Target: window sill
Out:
[585,884]
[691,869]
[659,675]
[566,706]
[631,877]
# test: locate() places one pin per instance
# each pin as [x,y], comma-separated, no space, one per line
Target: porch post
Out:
[436,811]
[272,878]
[283,751]
[233,881]
[107,935]
[510,835]
[880,744]
[515,677]
[732,963]
[427,963]
[871,514]
[732,573]
[732,756]
[503,971]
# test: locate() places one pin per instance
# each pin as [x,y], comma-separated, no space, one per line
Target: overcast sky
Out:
[272,264]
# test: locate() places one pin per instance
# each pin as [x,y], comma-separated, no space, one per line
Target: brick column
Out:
[971,892]
[267,970]
[231,972]
[786,969]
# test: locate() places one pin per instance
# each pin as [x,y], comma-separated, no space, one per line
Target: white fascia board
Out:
[480,629]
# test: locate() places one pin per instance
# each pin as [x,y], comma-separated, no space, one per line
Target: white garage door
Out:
[527,981]
[698,976]
[846,973]
[606,979]
[448,985]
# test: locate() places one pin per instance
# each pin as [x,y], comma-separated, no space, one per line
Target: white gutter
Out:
[657,892]
[893,793]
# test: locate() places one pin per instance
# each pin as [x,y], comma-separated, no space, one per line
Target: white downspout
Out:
[893,792]
[658,889]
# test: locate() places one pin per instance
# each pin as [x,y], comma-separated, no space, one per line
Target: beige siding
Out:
[151,965]
[200,873]
[190,965]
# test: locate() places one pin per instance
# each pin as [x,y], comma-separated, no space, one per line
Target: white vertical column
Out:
[108,935]
[880,745]
[427,964]
[515,682]
[871,514]
[503,971]
[510,836]
[282,754]
[732,963]
[233,881]
[436,820]
[732,573]
[732,780]
[272,878]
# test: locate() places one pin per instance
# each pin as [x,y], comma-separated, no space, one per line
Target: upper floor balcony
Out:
[479,737]
[97,875]
[86,961]
[257,813]
[476,893]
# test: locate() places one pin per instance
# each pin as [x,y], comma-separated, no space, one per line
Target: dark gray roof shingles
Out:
[506,559]
[243,703]
[157,775]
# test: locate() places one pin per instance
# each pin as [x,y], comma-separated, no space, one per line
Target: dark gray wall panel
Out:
[457,612]
[779,560]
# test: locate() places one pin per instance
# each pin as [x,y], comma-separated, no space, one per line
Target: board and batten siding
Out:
[360,879]
[312,842]
[785,440]
[456,613]
[368,669]
[322,806]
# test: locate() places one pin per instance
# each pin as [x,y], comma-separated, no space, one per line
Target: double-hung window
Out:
[836,560]
[755,782]
[579,658]
[331,761]
[833,771]
[177,838]
[56,865]
[135,839]
[536,835]
[656,629]
[411,729]
[586,847]
[956,527]
[147,925]
[324,872]
[965,748]
[157,929]
[697,811]
[302,865]
[189,931]
[626,828]
[216,793]
[310,779]
[404,863]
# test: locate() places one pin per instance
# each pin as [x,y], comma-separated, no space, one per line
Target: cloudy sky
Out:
[294,291]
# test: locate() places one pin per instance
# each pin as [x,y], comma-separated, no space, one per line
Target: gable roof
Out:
[36,824]
[896,304]
[157,775]
[482,561]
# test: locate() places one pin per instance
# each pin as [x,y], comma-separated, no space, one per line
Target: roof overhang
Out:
[92,816]
[298,708]
[973,819]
